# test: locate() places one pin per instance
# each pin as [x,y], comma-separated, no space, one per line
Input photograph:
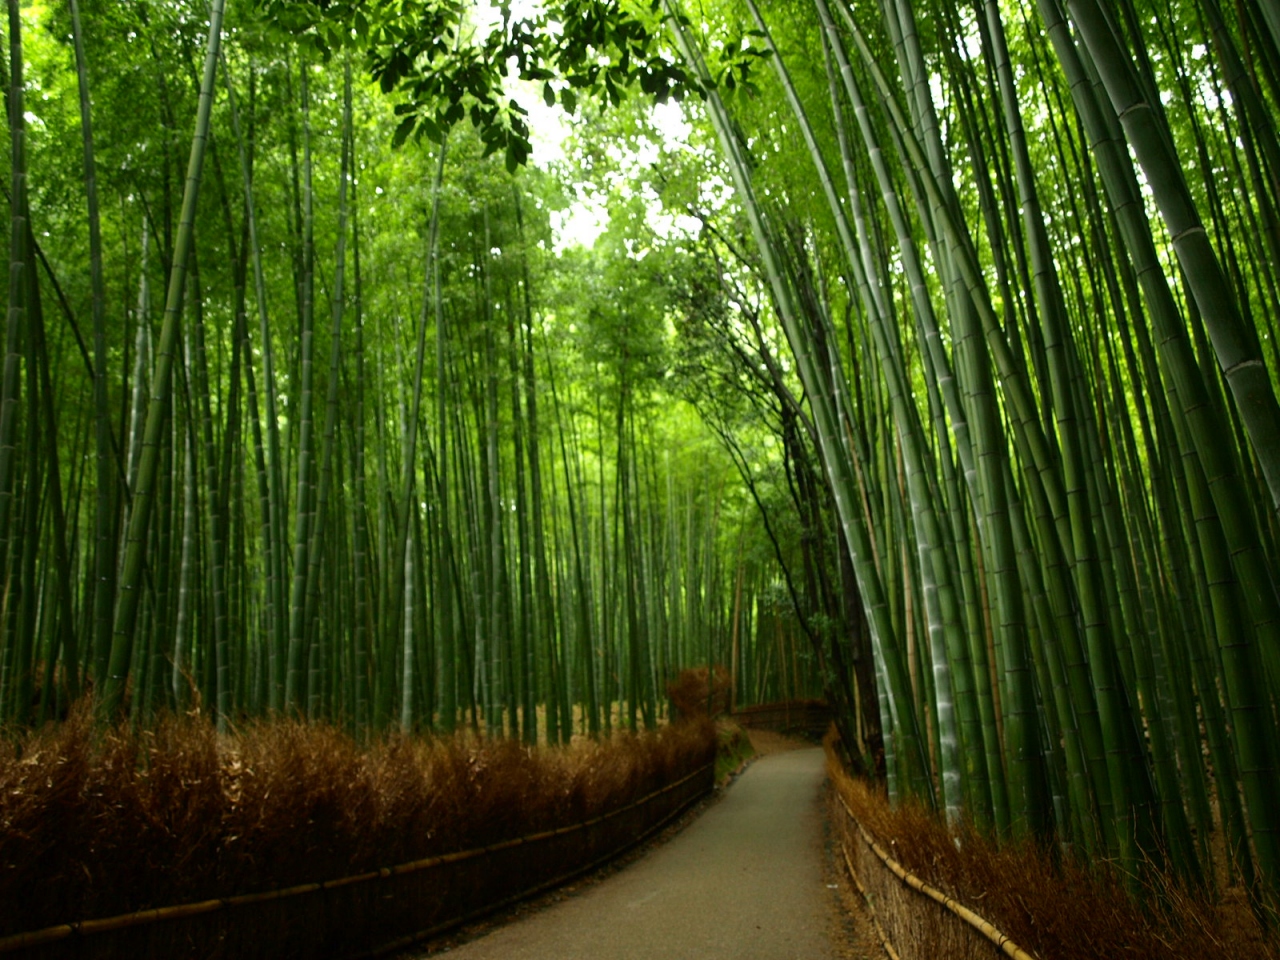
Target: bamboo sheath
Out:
[35,938]
[1002,942]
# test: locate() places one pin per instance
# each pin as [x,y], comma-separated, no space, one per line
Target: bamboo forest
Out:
[438,368]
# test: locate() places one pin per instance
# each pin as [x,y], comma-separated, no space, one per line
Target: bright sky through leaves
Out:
[550,128]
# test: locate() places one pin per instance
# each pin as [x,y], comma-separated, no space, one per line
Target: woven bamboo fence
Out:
[808,717]
[372,913]
[913,920]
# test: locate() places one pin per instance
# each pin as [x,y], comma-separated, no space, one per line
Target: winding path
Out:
[743,881]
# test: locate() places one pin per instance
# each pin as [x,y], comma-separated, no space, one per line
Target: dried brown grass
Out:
[1055,908]
[96,823]
[700,691]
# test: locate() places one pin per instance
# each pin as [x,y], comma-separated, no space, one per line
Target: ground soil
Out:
[750,873]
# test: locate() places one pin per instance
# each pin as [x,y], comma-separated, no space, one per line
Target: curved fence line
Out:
[1002,942]
[586,868]
[569,851]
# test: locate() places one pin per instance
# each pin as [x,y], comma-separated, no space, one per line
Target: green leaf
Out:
[403,130]
[548,95]
[430,129]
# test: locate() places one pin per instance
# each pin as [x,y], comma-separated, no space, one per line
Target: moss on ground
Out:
[733,749]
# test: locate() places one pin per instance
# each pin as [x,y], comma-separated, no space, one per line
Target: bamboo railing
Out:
[920,934]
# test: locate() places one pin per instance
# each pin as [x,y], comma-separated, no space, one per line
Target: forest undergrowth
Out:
[1056,907]
[97,822]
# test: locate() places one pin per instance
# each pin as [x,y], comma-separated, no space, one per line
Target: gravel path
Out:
[743,881]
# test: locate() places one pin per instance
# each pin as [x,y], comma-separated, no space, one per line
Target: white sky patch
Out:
[580,225]
[669,119]
[714,193]
[549,127]
[486,16]
[667,226]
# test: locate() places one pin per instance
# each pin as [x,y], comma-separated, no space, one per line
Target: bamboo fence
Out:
[809,717]
[374,913]
[905,911]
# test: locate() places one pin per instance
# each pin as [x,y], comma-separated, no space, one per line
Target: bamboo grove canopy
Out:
[466,497]
[999,279]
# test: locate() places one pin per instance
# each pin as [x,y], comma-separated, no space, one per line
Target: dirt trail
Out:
[744,881]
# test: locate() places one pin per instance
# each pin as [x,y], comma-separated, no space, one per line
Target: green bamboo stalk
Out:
[399,547]
[1242,367]
[144,490]
[106,515]
[304,498]
[214,527]
[338,309]
[15,321]
[363,634]
[274,519]
[1230,549]
[835,455]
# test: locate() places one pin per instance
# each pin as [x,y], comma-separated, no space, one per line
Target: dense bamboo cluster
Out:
[317,428]
[983,323]
[1024,257]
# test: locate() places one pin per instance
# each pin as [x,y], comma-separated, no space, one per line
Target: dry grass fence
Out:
[96,825]
[1048,909]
